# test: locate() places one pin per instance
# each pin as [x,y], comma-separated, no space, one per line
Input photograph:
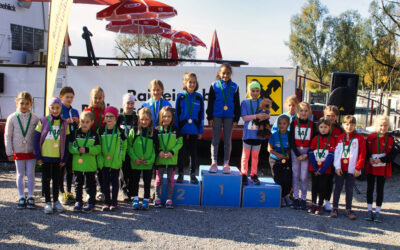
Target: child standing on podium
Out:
[223,110]
[251,141]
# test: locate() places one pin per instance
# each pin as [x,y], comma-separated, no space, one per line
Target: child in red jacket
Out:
[380,153]
[349,159]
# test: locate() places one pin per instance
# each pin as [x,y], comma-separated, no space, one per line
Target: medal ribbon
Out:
[24,131]
[144,145]
[126,131]
[190,108]
[154,104]
[346,152]
[97,124]
[55,136]
[251,106]
[378,144]
[86,139]
[165,145]
[223,92]
[299,131]
[112,139]
[281,144]
[326,144]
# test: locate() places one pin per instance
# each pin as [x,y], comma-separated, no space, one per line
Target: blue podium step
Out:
[184,193]
[267,194]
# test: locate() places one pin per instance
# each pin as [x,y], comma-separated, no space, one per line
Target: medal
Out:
[109,145]
[301,148]
[108,157]
[319,163]
[282,148]
[253,127]
[223,94]
[346,151]
[24,141]
[80,161]
[24,131]
[142,157]
[55,145]
[320,155]
[283,161]
[190,121]
[345,161]
[55,136]
[299,132]
[190,107]
[225,108]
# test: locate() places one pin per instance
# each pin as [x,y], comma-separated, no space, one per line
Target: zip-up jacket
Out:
[97,112]
[300,140]
[182,113]
[127,123]
[136,143]
[356,156]
[113,157]
[86,162]
[172,145]
[158,105]
[386,155]
[70,113]
[325,157]
[216,102]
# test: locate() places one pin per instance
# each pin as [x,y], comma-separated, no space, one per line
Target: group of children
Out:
[120,148]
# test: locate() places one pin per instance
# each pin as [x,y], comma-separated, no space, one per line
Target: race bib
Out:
[376,156]
[323,154]
[50,134]
[302,132]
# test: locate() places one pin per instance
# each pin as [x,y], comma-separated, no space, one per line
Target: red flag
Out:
[215,51]
[173,54]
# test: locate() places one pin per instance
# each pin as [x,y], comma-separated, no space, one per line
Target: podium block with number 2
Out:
[267,194]
[184,193]
[219,189]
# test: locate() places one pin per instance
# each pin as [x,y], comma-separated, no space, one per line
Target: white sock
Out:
[377,209]
[136,198]
[369,207]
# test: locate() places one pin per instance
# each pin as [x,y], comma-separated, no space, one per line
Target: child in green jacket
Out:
[113,149]
[142,144]
[171,142]
[84,146]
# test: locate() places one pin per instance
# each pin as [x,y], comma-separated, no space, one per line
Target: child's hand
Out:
[262,116]
[317,173]
[11,158]
[81,150]
[40,162]
[145,162]
[211,123]
[305,157]
[75,119]
[138,161]
[235,124]
[339,172]
[199,137]
[169,155]
[378,161]
[162,154]
[62,164]
[372,160]
[357,173]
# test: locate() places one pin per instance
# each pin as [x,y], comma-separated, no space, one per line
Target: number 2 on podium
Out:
[221,191]
[181,192]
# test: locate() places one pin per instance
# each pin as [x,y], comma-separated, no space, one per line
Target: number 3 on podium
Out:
[262,197]
[221,191]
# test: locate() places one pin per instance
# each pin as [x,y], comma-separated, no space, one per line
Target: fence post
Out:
[366,117]
[372,112]
[387,107]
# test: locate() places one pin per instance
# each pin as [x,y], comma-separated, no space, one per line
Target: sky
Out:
[252,31]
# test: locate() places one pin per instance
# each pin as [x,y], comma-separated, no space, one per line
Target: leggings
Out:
[319,188]
[227,123]
[283,175]
[254,150]
[89,179]
[330,185]
[348,180]
[110,176]
[51,172]
[67,168]
[380,184]
[300,171]
[160,170]
[189,148]
[25,167]
[147,174]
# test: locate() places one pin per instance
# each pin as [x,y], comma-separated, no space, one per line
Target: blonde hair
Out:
[87,114]
[331,108]
[24,95]
[146,112]
[163,111]
[349,119]
[291,99]
[304,105]
[381,118]
[158,83]
[96,90]
[186,78]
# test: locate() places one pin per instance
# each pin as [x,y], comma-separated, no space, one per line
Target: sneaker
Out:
[226,169]
[370,216]
[48,209]
[295,204]
[180,178]
[21,203]
[288,201]
[283,202]
[157,203]
[70,197]
[106,207]
[213,168]
[245,180]
[78,207]
[320,210]
[334,213]
[193,179]
[63,198]
[57,205]
[113,208]
[327,206]
[255,179]
[145,204]
[169,204]
[100,196]
[378,217]
[89,208]
[30,203]
[303,205]
[87,197]
[312,209]
[135,204]
[350,214]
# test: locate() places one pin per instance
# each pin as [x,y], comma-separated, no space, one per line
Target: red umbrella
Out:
[173,54]
[102,2]
[148,26]
[215,51]
[136,9]
[183,37]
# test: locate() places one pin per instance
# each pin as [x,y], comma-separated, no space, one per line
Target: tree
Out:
[151,46]
[308,41]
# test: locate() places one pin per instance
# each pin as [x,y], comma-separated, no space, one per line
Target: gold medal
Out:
[142,157]
[108,157]
[345,161]
[283,161]
[80,161]
[253,127]
[319,163]
[225,108]
[190,121]
[55,145]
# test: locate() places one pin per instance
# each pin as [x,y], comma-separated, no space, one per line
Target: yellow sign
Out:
[272,87]
[59,14]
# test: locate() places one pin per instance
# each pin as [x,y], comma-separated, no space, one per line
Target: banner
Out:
[59,14]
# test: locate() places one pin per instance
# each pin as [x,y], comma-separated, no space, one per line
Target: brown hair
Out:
[94,92]
[186,78]
[158,83]
[322,120]
[87,114]
[147,112]
[331,108]
[224,65]
[291,99]
[24,95]
[163,111]
[284,117]
[349,119]
[66,90]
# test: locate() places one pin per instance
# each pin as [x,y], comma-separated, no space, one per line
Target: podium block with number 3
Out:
[184,193]
[219,189]
[267,194]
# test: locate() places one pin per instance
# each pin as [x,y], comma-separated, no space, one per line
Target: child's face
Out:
[283,125]
[166,118]
[292,107]
[55,109]
[382,127]
[225,74]
[67,99]
[156,92]
[349,127]
[110,119]
[23,105]
[304,112]
[331,116]
[86,123]
[254,93]
[191,84]
[144,121]
[324,128]
[98,99]
[129,106]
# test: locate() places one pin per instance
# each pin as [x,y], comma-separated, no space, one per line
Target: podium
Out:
[219,189]
[267,194]
[185,193]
